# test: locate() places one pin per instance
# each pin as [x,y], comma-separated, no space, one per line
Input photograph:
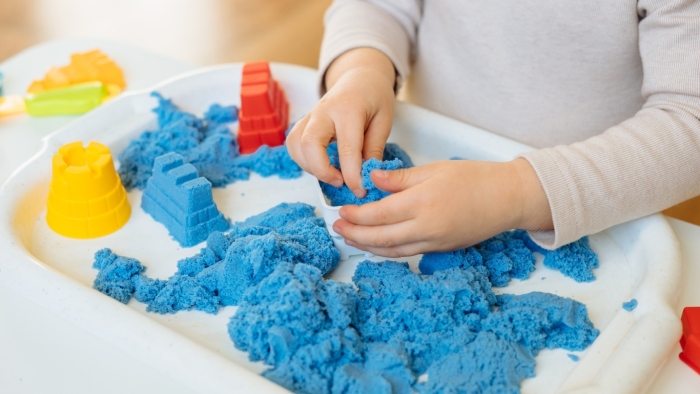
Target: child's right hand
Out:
[357,111]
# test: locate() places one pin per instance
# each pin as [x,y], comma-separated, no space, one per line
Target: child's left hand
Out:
[446,205]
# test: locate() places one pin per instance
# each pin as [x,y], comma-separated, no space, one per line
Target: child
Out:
[609,90]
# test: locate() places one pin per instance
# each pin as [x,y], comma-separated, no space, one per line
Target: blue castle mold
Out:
[180,199]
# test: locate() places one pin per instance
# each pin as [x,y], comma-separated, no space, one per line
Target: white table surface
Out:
[42,353]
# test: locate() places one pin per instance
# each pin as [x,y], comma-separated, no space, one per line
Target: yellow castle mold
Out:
[87,199]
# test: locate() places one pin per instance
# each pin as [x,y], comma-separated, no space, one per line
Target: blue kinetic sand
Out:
[180,199]
[576,260]
[115,273]
[321,336]
[504,256]
[573,357]
[510,255]
[488,364]
[393,151]
[377,335]
[206,143]
[227,266]
[384,370]
[301,325]
[541,320]
[343,195]
[268,161]
[420,313]
[630,305]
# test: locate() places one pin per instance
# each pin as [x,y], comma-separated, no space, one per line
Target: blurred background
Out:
[199,32]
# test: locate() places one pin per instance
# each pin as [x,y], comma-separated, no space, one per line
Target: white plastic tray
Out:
[640,259]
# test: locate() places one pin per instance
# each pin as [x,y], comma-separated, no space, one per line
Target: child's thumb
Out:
[397,180]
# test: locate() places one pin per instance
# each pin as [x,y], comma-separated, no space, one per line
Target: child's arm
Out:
[365,55]
[442,206]
[357,111]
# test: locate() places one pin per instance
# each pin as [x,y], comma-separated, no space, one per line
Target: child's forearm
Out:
[364,60]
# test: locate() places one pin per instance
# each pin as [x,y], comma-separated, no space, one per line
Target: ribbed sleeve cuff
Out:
[356,24]
[561,188]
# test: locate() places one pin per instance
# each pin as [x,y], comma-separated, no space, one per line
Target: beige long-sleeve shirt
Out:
[609,89]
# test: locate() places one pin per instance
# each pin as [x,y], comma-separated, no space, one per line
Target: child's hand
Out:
[357,111]
[446,205]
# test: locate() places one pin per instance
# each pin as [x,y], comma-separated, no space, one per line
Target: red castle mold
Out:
[264,115]
[690,341]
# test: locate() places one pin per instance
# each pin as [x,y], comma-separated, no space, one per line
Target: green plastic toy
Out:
[72,100]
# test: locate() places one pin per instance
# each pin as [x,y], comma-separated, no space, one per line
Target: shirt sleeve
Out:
[386,25]
[648,162]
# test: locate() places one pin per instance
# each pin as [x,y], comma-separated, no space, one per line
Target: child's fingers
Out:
[410,249]
[293,143]
[401,179]
[385,236]
[376,135]
[392,209]
[350,136]
[314,140]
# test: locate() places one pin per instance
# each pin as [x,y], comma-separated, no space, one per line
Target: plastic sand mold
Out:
[87,199]
[90,79]
[72,100]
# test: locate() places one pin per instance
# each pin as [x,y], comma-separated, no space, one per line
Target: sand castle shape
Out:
[87,199]
[180,199]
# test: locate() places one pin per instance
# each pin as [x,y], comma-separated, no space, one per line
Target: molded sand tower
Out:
[180,199]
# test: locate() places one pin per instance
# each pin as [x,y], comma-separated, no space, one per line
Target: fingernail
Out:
[380,173]
[335,228]
[337,183]
[341,213]
[360,193]
[349,243]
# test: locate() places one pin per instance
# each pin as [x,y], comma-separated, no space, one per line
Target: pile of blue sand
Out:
[510,255]
[575,260]
[228,265]
[115,275]
[206,143]
[504,256]
[180,199]
[392,160]
[393,151]
[322,336]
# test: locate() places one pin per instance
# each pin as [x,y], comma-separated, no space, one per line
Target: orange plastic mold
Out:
[84,67]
